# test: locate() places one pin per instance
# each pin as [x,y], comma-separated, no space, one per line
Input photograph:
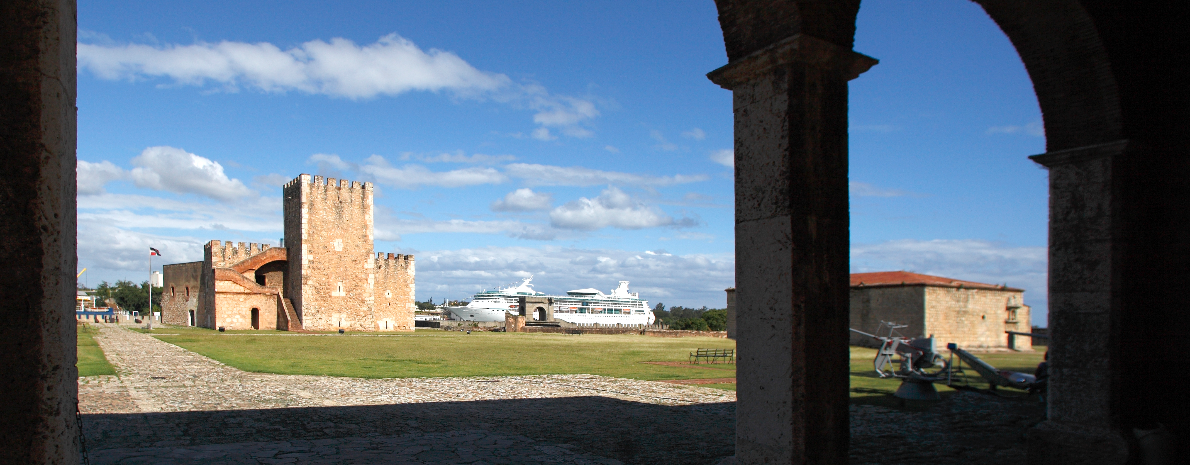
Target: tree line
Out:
[693,319]
[128,295]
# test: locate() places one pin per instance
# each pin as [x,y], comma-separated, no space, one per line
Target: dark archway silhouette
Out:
[1111,82]
[1111,150]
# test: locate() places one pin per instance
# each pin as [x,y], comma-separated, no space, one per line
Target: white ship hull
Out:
[605,320]
[466,313]
[582,306]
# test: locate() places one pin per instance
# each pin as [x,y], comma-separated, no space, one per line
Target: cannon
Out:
[921,366]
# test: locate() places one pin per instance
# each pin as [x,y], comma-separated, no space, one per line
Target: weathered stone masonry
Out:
[327,278]
[972,315]
[180,296]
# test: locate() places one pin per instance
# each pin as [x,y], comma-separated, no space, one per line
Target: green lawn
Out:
[91,361]
[451,353]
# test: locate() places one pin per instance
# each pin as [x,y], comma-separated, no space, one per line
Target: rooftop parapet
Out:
[320,181]
[393,261]
[227,252]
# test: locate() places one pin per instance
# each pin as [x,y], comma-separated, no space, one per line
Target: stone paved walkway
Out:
[127,421]
[172,406]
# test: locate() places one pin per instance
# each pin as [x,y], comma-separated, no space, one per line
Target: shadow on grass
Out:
[631,432]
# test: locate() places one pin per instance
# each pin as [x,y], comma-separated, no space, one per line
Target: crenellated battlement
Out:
[227,252]
[317,181]
[393,261]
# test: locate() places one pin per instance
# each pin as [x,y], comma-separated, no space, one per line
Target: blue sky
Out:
[578,142]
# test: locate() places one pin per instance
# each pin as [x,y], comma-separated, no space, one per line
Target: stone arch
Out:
[272,273]
[788,65]
[1069,66]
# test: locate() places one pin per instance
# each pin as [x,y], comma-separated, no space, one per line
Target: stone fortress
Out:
[971,314]
[326,277]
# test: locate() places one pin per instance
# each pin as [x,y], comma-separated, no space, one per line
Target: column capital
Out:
[1083,154]
[798,48]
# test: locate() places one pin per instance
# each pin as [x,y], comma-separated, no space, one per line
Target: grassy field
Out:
[91,361]
[444,353]
[450,353]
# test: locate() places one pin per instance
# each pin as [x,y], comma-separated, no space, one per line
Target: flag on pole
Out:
[154,252]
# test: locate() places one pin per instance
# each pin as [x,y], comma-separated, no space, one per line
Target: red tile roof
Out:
[905,278]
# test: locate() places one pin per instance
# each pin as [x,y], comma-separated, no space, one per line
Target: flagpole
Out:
[150,290]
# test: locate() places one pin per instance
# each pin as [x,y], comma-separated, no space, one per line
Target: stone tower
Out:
[332,274]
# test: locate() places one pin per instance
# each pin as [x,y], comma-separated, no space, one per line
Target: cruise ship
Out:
[492,305]
[587,306]
[580,306]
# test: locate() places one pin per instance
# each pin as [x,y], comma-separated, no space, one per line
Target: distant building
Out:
[155,279]
[970,314]
[327,276]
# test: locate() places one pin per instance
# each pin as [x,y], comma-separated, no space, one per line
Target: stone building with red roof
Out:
[970,314]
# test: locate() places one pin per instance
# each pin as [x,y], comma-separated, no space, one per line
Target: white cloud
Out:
[542,134]
[391,66]
[390,228]
[567,114]
[863,189]
[459,157]
[524,199]
[548,175]
[93,176]
[662,144]
[563,111]
[331,162]
[689,280]
[969,259]
[611,149]
[272,180]
[176,170]
[725,157]
[102,245]
[139,211]
[411,176]
[113,229]
[612,208]
[696,134]
[1035,129]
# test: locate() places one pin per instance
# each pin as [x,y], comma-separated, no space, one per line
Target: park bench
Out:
[712,355]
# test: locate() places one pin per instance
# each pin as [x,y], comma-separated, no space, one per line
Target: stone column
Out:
[38,387]
[731,331]
[792,220]
[1085,246]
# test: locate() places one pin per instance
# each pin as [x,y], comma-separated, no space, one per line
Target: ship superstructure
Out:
[579,306]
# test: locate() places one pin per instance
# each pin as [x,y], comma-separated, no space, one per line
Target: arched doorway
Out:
[255,318]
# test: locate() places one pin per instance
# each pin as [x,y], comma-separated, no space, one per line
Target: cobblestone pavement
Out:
[170,405]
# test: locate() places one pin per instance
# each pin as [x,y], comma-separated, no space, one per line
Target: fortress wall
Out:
[395,292]
[899,304]
[205,316]
[329,233]
[226,254]
[975,318]
[181,289]
[235,310]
